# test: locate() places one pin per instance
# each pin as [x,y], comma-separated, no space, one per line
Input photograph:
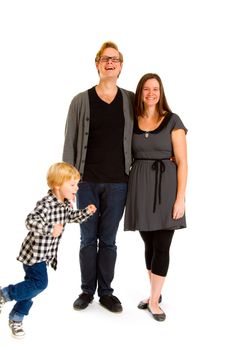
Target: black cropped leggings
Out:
[157,246]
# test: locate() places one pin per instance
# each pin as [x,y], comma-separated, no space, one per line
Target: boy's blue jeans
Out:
[98,248]
[35,281]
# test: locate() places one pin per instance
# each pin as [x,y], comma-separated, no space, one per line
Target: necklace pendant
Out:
[146,135]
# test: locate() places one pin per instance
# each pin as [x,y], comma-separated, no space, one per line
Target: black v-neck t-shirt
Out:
[105,154]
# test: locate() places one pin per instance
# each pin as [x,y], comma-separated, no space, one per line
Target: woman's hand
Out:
[178,209]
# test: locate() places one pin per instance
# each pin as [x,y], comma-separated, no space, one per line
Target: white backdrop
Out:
[47,57]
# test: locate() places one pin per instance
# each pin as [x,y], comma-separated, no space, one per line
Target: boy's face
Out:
[68,190]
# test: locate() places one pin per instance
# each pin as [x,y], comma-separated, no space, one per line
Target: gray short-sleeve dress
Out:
[153,179]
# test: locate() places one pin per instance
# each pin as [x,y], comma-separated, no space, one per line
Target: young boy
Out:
[46,224]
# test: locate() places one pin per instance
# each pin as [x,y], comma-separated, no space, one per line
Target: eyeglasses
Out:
[114,59]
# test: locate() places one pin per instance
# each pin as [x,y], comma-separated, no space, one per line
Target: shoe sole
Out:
[18,337]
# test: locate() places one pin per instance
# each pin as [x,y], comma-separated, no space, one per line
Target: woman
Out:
[156,193]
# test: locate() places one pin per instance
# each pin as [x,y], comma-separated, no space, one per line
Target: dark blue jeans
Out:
[35,281]
[98,249]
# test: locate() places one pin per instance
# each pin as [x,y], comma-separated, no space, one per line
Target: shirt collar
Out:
[53,198]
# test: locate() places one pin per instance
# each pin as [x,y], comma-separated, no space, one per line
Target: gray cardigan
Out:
[77,130]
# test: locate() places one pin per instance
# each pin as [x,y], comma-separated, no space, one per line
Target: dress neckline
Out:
[164,122]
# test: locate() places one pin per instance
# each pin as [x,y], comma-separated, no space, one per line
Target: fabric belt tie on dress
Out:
[159,167]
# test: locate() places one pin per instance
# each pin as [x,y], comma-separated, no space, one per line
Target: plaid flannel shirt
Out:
[39,244]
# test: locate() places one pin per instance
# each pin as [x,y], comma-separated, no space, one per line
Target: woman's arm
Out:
[180,152]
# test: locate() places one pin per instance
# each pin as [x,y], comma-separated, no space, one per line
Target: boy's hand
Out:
[91,209]
[57,230]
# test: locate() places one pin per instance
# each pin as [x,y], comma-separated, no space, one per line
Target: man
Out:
[98,143]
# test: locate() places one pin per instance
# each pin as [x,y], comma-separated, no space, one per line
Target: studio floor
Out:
[195,318]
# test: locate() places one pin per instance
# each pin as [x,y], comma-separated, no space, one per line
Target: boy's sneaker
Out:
[2,300]
[17,329]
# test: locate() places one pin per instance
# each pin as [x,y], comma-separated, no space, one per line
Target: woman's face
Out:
[151,92]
